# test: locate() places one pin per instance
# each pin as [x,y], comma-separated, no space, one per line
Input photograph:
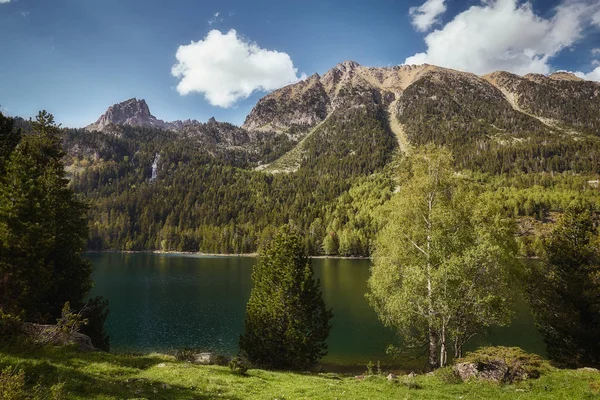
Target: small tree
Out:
[286,319]
[565,290]
[441,269]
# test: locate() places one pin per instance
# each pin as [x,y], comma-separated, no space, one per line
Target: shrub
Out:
[185,354]
[448,375]
[10,327]
[12,384]
[239,365]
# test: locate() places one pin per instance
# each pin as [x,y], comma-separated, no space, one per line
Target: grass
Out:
[155,376]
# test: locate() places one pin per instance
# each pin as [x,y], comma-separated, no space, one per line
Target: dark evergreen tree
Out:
[43,230]
[9,138]
[286,319]
[565,290]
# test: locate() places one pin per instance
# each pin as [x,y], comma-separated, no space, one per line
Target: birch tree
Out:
[443,263]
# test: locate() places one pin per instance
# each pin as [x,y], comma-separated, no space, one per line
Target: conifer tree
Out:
[565,290]
[43,230]
[286,319]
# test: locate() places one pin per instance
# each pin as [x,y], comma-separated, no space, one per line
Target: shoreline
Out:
[199,254]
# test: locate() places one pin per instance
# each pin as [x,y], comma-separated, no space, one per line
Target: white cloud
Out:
[596,19]
[505,35]
[596,51]
[424,16]
[215,18]
[226,68]
[590,76]
[4,1]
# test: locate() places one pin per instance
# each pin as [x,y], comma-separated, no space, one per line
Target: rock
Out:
[166,386]
[495,371]
[391,377]
[49,334]
[161,365]
[204,358]
[588,369]
[466,371]
[412,374]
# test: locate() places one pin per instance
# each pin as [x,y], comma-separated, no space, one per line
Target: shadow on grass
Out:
[92,375]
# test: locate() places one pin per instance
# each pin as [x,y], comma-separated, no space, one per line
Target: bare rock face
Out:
[294,107]
[131,112]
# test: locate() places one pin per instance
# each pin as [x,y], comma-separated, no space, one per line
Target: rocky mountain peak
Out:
[131,112]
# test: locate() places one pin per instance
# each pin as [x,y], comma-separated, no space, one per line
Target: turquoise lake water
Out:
[161,302]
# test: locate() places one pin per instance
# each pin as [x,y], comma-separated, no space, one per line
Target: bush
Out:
[12,384]
[11,327]
[239,365]
[185,354]
[95,312]
[448,375]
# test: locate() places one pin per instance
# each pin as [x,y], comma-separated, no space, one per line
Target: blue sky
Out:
[77,57]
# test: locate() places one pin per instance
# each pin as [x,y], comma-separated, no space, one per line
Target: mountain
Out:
[498,122]
[319,154]
[132,112]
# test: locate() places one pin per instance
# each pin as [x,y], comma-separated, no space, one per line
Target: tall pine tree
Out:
[565,290]
[43,230]
[286,319]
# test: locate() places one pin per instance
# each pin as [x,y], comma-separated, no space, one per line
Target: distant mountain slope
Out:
[496,123]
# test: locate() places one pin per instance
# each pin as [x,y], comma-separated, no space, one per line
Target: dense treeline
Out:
[215,203]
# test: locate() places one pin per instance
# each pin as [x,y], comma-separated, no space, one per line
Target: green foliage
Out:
[186,354]
[12,384]
[520,364]
[286,319]
[9,138]
[443,264]
[69,322]
[474,120]
[95,313]
[43,230]
[240,365]
[565,290]
[99,375]
[11,327]
[448,375]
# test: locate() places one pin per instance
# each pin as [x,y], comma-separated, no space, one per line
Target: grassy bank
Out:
[117,376]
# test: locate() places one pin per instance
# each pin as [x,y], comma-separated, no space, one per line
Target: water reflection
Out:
[161,302]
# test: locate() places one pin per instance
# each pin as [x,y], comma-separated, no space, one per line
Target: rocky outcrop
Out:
[131,112]
[500,365]
[50,334]
[296,107]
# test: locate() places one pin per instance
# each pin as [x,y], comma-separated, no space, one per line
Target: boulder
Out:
[49,334]
[391,377]
[204,358]
[495,371]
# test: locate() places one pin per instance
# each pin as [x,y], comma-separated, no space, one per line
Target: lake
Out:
[160,302]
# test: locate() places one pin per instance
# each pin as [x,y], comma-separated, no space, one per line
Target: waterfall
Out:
[155,167]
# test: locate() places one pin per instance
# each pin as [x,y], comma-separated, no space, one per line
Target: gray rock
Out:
[49,334]
[588,369]
[205,358]
[391,377]
[495,371]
